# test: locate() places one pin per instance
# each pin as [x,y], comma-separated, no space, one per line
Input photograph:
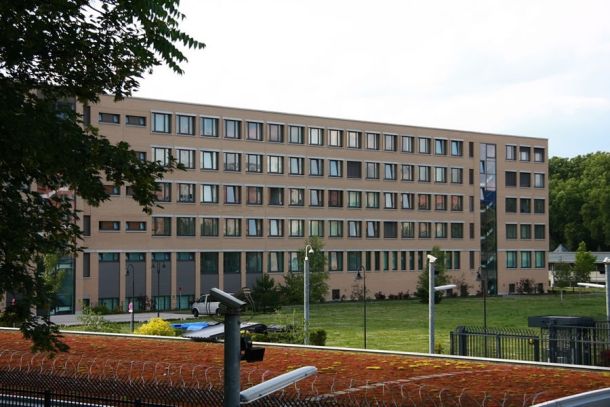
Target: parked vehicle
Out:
[205,306]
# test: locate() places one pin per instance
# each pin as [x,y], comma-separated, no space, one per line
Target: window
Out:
[209,127]
[424,145]
[232,129]
[209,227]
[539,259]
[526,259]
[511,205]
[470,176]
[389,200]
[254,262]
[232,194]
[161,226]
[297,197]
[162,155]
[232,227]
[354,228]
[389,172]
[109,225]
[316,167]
[354,139]
[372,229]
[440,147]
[457,176]
[511,153]
[254,195]
[457,230]
[209,160]
[510,178]
[109,118]
[372,199]
[440,202]
[335,138]
[86,225]
[407,230]
[471,230]
[525,205]
[335,261]
[141,155]
[353,199]
[296,165]
[407,200]
[335,168]
[86,264]
[295,134]
[354,169]
[538,180]
[276,133]
[209,263]
[389,142]
[335,198]
[186,193]
[525,179]
[538,154]
[186,158]
[255,228]
[511,259]
[135,120]
[511,231]
[232,162]
[423,202]
[112,189]
[161,122]
[425,230]
[424,173]
[164,192]
[295,266]
[316,136]
[185,226]
[372,141]
[296,227]
[255,131]
[372,170]
[354,261]
[254,162]
[390,230]
[457,203]
[316,228]
[407,144]
[538,205]
[276,196]
[440,230]
[185,125]
[457,148]
[526,231]
[275,164]
[316,197]
[524,153]
[335,228]
[407,171]
[209,193]
[539,232]
[276,262]
[440,174]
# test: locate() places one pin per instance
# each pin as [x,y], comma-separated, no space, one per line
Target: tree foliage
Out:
[440,277]
[266,294]
[584,264]
[579,201]
[53,54]
[292,290]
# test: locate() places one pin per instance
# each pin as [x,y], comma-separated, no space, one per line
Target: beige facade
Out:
[380,195]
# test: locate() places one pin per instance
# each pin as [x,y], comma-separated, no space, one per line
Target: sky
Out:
[529,68]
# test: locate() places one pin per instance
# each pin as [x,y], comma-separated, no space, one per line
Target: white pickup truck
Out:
[205,306]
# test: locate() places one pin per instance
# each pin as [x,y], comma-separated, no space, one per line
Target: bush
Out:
[317,337]
[156,326]
[93,321]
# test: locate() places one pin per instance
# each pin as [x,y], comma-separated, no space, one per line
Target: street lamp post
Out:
[308,251]
[607,270]
[431,295]
[158,266]
[133,294]
[482,277]
[363,277]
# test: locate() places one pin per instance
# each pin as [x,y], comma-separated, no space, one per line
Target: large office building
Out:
[258,183]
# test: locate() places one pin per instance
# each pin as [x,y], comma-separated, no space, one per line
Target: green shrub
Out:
[93,321]
[317,337]
[156,326]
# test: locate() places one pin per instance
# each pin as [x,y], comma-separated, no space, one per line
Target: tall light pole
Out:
[308,251]
[363,277]
[482,277]
[431,295]
[607,270]
[133,293]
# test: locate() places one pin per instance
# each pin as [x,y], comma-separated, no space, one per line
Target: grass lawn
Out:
[403,324]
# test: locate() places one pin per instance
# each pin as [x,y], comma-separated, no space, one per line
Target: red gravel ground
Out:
[341,374]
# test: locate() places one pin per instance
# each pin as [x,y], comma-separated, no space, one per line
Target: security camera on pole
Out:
[431,294]
[308,251]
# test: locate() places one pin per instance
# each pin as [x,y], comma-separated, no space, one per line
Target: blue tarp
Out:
[191,326]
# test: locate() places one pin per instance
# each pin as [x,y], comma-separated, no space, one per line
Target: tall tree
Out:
[52,55]
[440,277]
[292,289]
[584,264]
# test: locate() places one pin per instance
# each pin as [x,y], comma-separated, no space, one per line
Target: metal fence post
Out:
[536,349]
[47,398]
[498,347]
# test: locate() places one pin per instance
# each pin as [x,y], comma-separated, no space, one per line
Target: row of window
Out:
[525,205]
[525,153]
[523,259]
[525,179]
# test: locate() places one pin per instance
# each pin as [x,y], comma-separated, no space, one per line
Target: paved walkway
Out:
[138,317]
